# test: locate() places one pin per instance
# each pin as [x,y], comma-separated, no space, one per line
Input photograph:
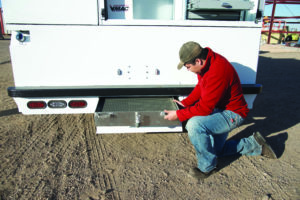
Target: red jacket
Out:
[218,87]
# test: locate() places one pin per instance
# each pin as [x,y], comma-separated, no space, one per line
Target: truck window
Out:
[139,9]
[218,10]
[154,9]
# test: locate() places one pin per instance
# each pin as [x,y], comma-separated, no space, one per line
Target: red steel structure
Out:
[275,19]
[1,24]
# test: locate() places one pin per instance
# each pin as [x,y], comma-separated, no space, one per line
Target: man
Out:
[215,106]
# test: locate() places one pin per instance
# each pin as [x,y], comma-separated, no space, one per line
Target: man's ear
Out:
[200,61]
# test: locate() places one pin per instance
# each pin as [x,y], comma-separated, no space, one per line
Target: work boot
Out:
[267,150]
[197,173]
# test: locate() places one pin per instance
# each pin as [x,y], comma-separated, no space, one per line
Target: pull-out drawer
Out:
[135,115]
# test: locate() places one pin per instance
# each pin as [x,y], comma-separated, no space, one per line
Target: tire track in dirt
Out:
[108,177]
[27,155]
[90,141]
[62,150]
[44,169]
[45,157]
[35,138]
[97,155]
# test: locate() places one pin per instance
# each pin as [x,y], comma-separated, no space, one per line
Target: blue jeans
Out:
[208,135]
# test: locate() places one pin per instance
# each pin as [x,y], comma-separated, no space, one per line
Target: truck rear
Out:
[117,59]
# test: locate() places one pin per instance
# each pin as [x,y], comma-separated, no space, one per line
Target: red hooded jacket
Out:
[218,87]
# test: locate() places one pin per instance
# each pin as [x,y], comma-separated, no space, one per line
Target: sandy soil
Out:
[61,157]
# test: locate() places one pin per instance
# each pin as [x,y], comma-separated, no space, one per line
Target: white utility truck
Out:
[118,59]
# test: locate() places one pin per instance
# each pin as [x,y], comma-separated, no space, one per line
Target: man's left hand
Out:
[170,115]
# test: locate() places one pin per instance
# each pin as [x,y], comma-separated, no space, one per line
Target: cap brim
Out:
[180,65]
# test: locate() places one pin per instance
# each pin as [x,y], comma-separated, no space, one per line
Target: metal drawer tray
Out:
[135,115]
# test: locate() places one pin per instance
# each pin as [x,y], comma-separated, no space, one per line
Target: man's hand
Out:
[170,115]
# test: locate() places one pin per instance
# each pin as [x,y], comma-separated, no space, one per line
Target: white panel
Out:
[89,56]
[50,11]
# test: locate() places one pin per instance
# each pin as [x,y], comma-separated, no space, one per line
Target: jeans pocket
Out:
[234,120]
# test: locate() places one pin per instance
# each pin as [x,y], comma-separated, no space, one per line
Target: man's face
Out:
[196,68]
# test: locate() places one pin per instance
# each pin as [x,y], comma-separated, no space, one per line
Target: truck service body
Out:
[117,58]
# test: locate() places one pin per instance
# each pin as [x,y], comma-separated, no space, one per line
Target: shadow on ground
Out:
[277,107]
[9,112]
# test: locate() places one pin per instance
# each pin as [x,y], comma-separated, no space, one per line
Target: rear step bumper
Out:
[124,91]
[116,110]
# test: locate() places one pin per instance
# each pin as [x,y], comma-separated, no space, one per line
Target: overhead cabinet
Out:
[51,12]
[218,9]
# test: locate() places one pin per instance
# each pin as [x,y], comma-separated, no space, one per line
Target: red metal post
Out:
[1,23]
[271,23]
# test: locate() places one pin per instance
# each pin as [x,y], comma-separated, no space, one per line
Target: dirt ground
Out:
[61,157]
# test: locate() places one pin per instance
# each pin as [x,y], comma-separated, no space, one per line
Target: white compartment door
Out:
[51,12]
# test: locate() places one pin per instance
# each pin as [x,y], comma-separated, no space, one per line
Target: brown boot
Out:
[267,150]
[198,174]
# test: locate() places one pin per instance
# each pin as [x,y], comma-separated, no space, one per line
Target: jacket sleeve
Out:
[193,96]
[213,89]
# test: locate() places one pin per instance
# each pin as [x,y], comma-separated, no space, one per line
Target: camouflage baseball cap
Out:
[188,52]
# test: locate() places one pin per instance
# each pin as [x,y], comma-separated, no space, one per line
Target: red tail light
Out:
[36,104]
[77,104]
